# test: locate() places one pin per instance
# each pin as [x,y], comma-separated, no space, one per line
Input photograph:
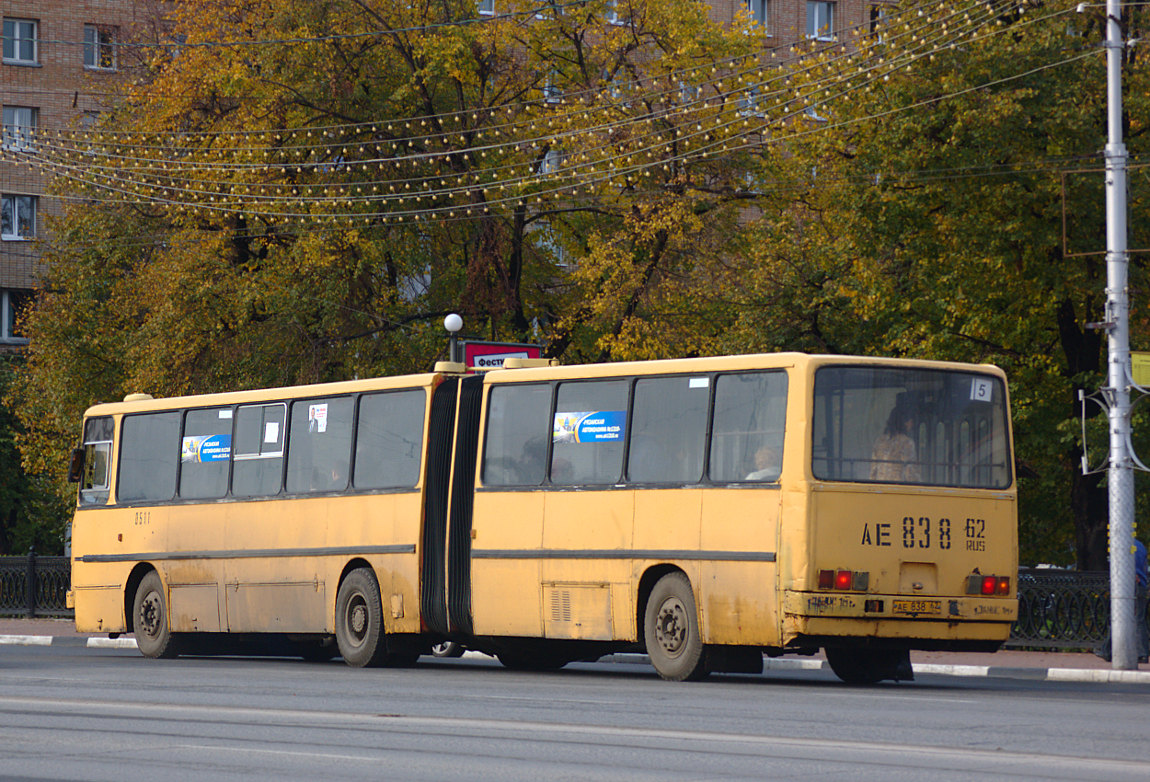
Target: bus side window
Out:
[94,482]
[749,427]
[149,449]
[668,430]
[587,433]
[515,451]
[205,453]
[319,449]
[389,440]
[259,443]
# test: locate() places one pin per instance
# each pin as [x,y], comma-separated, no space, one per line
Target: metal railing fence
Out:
[1057,609]
[34,585]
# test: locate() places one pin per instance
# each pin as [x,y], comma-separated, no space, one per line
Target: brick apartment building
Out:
[60,58]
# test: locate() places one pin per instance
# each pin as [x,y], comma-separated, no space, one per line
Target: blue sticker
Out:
[601,426]
[206,448]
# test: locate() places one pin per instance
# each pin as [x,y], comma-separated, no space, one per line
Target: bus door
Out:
[507,526]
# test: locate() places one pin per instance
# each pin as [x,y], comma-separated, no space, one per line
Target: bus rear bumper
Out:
[940,618]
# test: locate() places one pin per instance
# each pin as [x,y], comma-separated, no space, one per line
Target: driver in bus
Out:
[893,457]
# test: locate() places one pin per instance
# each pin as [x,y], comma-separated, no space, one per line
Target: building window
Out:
[486,7]
[17,217]
[611,13]
[12,304]
[878,21]
[759,11]
[100,47]
[20,41]
[19,127]
[821,20]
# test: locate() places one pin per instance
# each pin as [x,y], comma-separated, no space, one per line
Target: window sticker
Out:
[981,389]
[601,426]
[225,414]
[699,382]
[206,448]
[272,432]
[317,418]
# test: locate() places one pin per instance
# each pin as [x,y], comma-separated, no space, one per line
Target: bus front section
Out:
[908,523]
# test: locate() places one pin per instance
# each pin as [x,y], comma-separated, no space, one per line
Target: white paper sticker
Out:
[225,414]
[981,390]
[317,418]
[272,432]
[700,382]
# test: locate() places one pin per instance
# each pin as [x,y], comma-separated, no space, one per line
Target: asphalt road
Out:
[72,713]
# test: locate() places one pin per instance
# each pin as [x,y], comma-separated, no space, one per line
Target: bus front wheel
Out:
[150,619]
[671,630]
[359,620]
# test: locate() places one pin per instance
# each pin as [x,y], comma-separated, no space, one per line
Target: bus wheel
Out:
[150,619]
[671,630]
[359,620]
[447,649]
[868,666]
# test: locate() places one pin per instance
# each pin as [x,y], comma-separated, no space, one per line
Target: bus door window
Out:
[515,451]
[588,432]
[668,430]
[149,453]
[205,453]
[749,427]
[389,440]
[97,457]
[259,446]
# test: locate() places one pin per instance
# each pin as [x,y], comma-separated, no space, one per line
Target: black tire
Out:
[869,666]
[671,630]
[447,649]
[154,637]
[359,620]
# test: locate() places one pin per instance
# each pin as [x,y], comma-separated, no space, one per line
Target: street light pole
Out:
[1121,472]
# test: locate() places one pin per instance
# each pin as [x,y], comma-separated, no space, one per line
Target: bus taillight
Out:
[987,585]
[844,580]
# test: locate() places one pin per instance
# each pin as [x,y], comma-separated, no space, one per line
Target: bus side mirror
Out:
[76,466]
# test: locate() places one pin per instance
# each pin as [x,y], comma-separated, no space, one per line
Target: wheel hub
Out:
[671,626]
[150,614]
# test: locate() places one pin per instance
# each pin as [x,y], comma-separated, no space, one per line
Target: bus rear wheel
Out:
[869,666]
[359,620]
[150,619]
[671,630]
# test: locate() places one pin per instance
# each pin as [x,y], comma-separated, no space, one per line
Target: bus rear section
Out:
[905,534]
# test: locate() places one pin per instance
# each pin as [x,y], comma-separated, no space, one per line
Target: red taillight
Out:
[1003,587]
[845,580]
[989,584]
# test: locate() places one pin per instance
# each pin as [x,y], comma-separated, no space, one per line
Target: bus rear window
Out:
[910,426]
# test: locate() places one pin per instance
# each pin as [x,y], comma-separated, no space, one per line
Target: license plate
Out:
[918,606]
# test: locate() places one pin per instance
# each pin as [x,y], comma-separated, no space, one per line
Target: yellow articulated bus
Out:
[708,511]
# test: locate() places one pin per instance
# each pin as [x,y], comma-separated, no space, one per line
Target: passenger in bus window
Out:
[768,465]
[893,457]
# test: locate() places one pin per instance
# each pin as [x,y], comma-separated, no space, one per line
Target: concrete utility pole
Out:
[1121,474]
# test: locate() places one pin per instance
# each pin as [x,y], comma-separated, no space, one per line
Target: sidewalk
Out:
[1009,663]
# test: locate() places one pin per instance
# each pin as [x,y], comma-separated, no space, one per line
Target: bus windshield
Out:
[911,426]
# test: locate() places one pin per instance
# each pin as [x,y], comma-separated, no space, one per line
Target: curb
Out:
[1092,675]
[1095,675]
[88,642]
